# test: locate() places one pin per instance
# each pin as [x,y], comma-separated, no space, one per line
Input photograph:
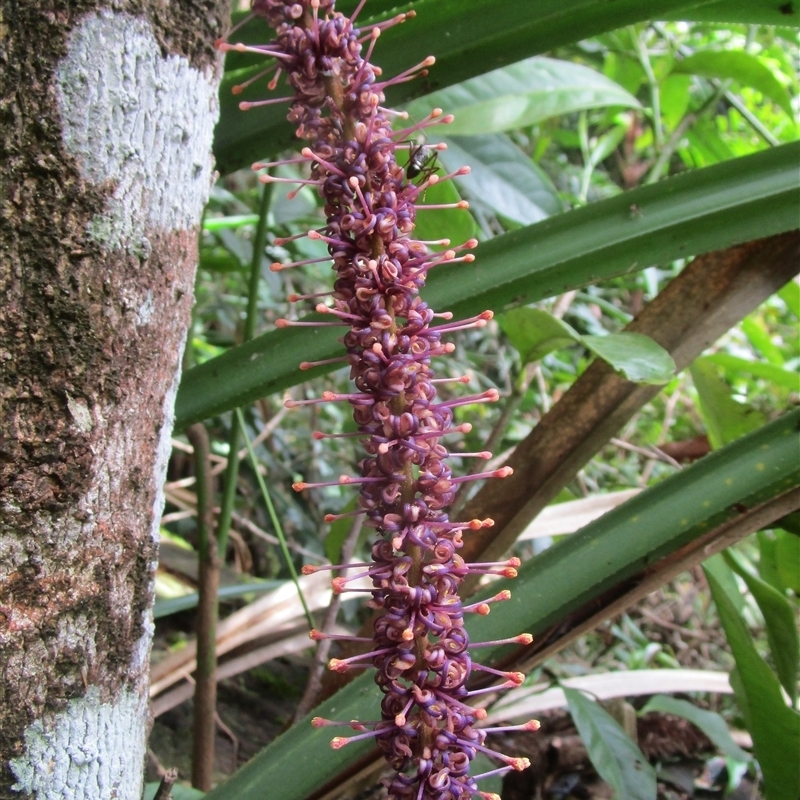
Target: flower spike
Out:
[428,728]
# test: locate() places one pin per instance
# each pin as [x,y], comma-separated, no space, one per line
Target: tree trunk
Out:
[106,122]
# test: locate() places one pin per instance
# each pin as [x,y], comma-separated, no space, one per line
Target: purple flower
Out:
[427,729]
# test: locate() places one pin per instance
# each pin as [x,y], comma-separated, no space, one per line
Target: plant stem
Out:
[655,97]
[733,99]
[205,693]
[274,517]
[164,791]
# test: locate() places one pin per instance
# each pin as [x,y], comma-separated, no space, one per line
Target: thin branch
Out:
[274,517]
[205,696]
[164,791]
[232,467]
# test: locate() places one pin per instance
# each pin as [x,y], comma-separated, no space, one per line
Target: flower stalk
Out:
[428,728]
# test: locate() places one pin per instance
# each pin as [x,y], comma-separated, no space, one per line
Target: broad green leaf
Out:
[740,66]
[580,569]
[781,626]
[709,722]
[689,214]
[758,369]
[535,333]
[774,726]
[522,94]
[613,753]
[758,335]
[787,555]
[454,224]
[503,178]
[624,70]
[637,357]
[725,419]
[767,561]
[468,38]
[674,96]
[790,294]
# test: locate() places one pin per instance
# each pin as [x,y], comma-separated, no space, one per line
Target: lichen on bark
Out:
[91,333]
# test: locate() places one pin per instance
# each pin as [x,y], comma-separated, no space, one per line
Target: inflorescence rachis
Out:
[427,729]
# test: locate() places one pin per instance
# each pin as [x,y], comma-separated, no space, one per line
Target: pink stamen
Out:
[443,206]
[240,87]
[291,323]
[489,396]
[312,156]
[246,105]
[267,178]
[434,118]
[503,472]
[278,267]
[304,365]
[328,397]
[265,165]
[294,298]
[235,28]
[323,309]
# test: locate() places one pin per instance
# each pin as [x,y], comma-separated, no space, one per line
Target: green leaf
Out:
[790,294]
[674,95]
[179,792]
[503,178]
[754,12]
[468,38]
[774,726]
[637,357]
[725,419]
[535,333]
[614,755]
[709,722]
[790,523]
[767,560]
[787,555]
[481,35]
[624,70]
[573,573]
[521,95]
[454,224]
[740,66]
[757,334]
[758,369]
[779,618]
[693,213]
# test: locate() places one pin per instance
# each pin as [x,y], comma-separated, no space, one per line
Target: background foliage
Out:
[649,134]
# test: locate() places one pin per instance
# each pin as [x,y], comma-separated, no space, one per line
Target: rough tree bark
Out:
[106,120]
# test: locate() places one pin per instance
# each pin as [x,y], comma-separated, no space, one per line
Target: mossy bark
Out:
[106,115]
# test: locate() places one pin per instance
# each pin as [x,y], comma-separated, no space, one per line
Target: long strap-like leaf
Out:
[705,210]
